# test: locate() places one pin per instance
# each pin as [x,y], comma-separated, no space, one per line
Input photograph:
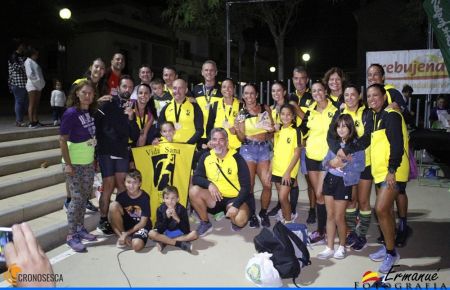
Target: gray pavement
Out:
[219,259]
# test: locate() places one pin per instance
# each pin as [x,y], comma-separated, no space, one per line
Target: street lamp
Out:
[65,13]
[272,69]
[306,57]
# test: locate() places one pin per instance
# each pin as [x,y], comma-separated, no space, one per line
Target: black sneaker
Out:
[264,218]
[105,228]
[90,206]
[253,222]
[311,216]
[274,211]
[186,246]
[402,237]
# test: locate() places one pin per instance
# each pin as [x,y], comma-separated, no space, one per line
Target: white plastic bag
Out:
[260,270]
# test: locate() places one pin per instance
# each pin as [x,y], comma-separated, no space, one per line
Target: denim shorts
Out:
[399,186]
[109,167]
[256,151]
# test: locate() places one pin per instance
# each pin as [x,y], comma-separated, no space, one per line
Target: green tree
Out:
[205,16]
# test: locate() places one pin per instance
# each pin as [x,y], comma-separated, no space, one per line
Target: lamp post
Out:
[306,57]
[272,69]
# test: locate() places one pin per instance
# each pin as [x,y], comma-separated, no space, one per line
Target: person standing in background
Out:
[34,86]
[57,102]
[114,73]
[17,80]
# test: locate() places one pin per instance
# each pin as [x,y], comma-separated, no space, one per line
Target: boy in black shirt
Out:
[172,223]
[129,215]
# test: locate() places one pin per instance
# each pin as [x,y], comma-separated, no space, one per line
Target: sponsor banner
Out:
[438,12]
[424,70]
[162,165]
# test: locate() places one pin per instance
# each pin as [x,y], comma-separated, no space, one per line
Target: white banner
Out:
[424,70]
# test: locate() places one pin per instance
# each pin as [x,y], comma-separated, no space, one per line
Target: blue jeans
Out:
[21,102]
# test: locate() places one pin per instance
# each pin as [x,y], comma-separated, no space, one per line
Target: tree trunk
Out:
[279,43]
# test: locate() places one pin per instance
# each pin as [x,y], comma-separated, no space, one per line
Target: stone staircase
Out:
[32,186]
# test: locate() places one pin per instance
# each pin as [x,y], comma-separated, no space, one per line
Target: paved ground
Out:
[219,259]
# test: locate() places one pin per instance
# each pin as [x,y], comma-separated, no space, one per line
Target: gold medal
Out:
[177,126]
[207,107]
[226,125]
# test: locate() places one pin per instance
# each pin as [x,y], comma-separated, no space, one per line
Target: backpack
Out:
[289,253]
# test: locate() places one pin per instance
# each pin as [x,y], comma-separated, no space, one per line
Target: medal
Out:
[177,126]
[226,125]
[277,127]
[92,142]
[207,106]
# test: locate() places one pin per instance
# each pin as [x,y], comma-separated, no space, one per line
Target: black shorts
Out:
[313,165]
[334,186]
[221,205]
[401,186]
[109,166]
[367,173]
[278,179]
[129,223]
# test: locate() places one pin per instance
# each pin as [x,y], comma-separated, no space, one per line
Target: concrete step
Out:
[27,161]
[18,183]
[25,133]
[15,147]
[31,205]
[51,229]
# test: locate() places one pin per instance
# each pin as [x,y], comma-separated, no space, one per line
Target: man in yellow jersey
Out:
[221,182]
[186,116]
[207,93]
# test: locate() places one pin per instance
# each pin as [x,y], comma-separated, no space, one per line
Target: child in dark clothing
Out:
[172,223]
[130,213]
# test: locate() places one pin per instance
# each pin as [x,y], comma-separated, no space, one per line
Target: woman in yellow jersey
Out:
[363,120]
[224,112]
[95,74]
[254,128]
[285,162]
[395,100]
[390,169]
[315,127]
[280,97]
[77,142]
[334,80]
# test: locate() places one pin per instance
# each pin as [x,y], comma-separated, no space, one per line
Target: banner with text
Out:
[162,165]
[424,70]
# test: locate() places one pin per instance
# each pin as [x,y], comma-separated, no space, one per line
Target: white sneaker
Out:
[326,254]
[339,253]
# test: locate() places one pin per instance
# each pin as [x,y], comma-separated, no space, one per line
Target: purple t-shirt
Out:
[78,124]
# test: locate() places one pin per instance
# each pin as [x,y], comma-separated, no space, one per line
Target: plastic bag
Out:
[260,270]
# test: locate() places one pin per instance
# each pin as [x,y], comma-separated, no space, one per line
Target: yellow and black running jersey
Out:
[230,175]
[315,127]
[223,116]
[205,98]
[188,120]
[287,141]
[304,101]
[389,145]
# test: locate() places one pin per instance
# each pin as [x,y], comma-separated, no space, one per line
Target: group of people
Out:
[25,82]
[329,132]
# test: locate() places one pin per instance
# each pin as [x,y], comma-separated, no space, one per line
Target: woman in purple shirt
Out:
[77,142]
